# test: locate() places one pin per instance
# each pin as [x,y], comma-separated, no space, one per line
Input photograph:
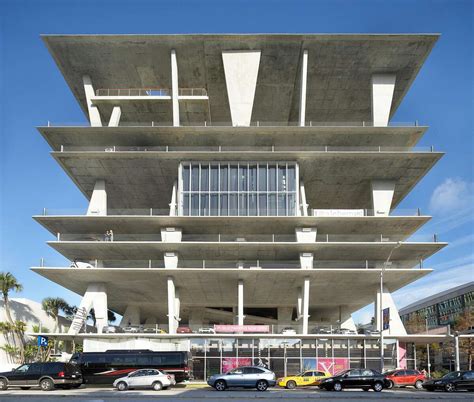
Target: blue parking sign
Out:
[42,340]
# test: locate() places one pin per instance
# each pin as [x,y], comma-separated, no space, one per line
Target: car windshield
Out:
[341,372]
[454,374]
[389,372]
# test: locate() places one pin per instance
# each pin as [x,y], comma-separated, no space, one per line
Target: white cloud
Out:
[452,195]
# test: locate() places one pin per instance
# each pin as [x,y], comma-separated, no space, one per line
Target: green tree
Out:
[8,283]
[53,306]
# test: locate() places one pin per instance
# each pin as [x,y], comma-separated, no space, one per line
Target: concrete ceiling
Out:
[339,70]
[332,179]
[411,253]
[231,136]
[351,289]
[396,225]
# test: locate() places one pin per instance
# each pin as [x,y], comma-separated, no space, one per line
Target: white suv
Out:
[145,378]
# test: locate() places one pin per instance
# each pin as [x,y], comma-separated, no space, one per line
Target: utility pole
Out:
[428,348]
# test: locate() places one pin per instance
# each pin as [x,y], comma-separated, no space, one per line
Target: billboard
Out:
[386,318]
[326,364]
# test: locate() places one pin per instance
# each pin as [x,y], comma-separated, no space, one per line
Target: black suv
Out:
[355,378]
[44,375]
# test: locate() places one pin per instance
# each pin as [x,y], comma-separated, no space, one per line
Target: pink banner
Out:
[230,363]
[231,329]
[402,355]
[332,366]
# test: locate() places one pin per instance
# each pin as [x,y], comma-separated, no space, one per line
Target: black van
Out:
[44,375]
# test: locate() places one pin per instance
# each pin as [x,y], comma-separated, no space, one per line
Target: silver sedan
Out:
[145,378]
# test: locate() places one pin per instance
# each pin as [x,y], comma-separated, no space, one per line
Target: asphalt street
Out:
[208,394]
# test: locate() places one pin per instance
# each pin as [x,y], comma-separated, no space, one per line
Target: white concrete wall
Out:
[382,196]
[383,86]
[241,71]
[98,202]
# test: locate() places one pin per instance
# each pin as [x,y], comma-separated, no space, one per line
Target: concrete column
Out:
[173,204]
[305,306]
[98,202]
[348,323]
[94,115]
[96,298]
[304,77]
[306,260]
[115,116]
[196,317]
[396,324]
[383,86]
[171,260]
[240,302]
[285,315]
[241,71]
[177,306]
[171,306]
[171,235]
[151,321]
[304,205]
[131,316]
[174,88]
[299,304]
[382,195]
[306,235]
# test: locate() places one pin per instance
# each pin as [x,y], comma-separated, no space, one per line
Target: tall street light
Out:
[386,263]
[428,347]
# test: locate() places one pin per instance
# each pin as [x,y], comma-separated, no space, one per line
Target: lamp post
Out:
[428,347]
[386,263]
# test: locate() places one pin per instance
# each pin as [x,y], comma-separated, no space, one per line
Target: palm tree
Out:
[8,283]
[52,306]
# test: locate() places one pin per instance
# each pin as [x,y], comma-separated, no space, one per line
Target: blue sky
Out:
[33,92]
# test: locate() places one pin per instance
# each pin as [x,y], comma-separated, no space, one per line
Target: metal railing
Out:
[250,149]
[150,92]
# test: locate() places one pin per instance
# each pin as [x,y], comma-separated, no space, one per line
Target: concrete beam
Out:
[306,235]
[174,88]
[241,70]
[94,115]
[306,260]
[382,196]
[115,116]
[171,235]
[98,202]
[171,260]
[304,78]
[383,86]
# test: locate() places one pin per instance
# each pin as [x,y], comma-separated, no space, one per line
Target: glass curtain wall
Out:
[238,189]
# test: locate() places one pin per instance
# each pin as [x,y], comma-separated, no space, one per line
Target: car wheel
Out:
[122,386]
[25,388]
[378,386]
[46,384]
[262,385]
[337,386]
[157,386]
[390,384]
[3,384]
[419,384]
[220,385]
[290,385]
[450,387]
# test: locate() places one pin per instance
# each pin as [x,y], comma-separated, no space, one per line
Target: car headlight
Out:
[329,380]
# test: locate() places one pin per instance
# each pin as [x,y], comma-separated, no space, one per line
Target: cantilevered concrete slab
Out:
[339,74]
[214,136]
[396,225]
[411,253]
[351,288]
[333,180]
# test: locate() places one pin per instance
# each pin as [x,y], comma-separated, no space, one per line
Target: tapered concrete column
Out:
[171,260]
[177,307]
[285,315]
[115,116]
[306,235]
[241,71]
[348,323]
[304,77]
[94,115]
[173,204]
[131,316]
[98,202]
[196,317]
[396,324]
[383,86]
[306,260]
[305,306]
[171,235]
[304,205]
[96,298]
[382,196]
[240,303]
[171,306]
[299,304]
[174,88]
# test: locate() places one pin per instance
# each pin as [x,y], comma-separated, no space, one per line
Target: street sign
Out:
[386,318]
[42,341]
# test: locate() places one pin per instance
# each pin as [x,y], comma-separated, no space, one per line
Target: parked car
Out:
[288,331]
[184,330]
[456,380]
[153,330]
[81,264]
[111,329]
[403,378]
[244,377]
[345,331]
[206,330]
[47,376]
[133,329]
[145,378]
[310,377]
[355,378]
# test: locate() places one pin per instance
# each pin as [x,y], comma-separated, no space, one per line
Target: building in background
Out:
[243,193]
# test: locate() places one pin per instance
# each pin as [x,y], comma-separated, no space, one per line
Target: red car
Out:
[184,330]
[404,378]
